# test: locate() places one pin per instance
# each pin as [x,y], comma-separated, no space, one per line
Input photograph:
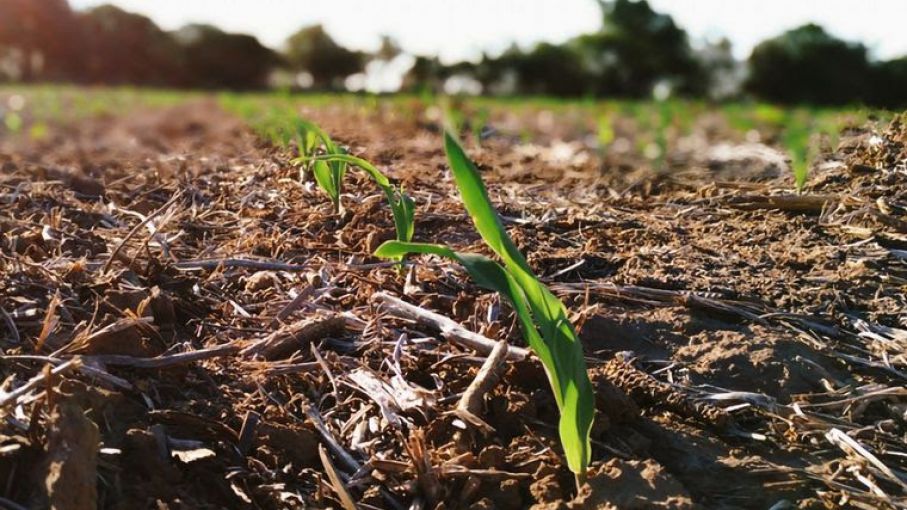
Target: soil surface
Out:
[187,324]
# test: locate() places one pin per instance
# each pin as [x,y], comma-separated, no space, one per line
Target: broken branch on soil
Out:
[469,408]
[13,396]
[346,499]
[449,329]
[792,203]
[285,341]
[165,361]
[263,265]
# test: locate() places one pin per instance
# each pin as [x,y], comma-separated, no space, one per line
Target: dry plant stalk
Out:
[472,399]
[295,337]
[346,499]
[449,329]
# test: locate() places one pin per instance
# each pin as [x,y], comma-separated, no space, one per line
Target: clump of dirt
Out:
[733,359]
[632,485]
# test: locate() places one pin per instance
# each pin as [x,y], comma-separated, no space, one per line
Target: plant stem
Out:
[580,479]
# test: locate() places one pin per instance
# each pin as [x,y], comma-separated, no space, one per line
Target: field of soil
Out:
[187,324]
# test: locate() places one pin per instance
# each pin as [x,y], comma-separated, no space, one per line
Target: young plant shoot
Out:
[543,318]
[328,173]
[329,169]
[402,207]
[798,145]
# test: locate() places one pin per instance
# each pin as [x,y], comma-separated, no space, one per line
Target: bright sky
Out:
[462,29]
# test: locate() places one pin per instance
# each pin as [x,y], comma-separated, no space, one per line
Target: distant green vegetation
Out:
[652,127]
[30,109]
[634,52]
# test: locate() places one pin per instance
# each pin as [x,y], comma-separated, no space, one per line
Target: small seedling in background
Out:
[477,125]
[402,206]
[798,144]
[306,139]
[329,173]
[306,145]
[665,118]
[767,114]
[605,132]
[38,131]
[543,318]
[13,122]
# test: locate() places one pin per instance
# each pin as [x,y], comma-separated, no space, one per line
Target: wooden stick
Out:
[295,337]
[791,203]
[13,396]
[293,305]
[346,499]
[267,265]
[485,380]
[449,329]
[164,361]
[11,325]
[247,432]
[85,368]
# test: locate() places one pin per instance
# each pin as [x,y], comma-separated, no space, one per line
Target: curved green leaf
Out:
[373,171]
[323,176]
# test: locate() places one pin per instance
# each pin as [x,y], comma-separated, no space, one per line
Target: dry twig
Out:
[448,328]
[471,402]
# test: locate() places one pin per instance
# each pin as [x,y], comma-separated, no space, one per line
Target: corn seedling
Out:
[306,139]
[605,132]
[402,206]
[542,316]
[478,124]
[328,171]
[665,117]
[798,146]
[13,122]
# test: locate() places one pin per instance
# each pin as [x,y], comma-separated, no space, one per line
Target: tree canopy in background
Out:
[636,49]
[120,47]
[809,65]
[312,50]
[636,52]
[217,59]
[41,39]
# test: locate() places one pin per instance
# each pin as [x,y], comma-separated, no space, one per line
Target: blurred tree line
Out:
[636,53]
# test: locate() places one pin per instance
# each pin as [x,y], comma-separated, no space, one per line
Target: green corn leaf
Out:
[605,131]
[407,213]
[328,174]
[338,169]
[364,164]
[483,214]
[306,138]
[322,172]
[798,145]
[329,145]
